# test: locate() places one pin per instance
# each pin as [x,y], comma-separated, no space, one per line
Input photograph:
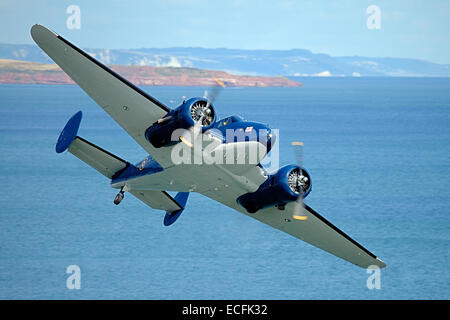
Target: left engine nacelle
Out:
[185,116]
[279,189]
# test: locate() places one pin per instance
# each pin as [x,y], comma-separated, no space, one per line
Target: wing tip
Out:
[40,34]
[36,30]
[374,260]
[381,263]
[374,264]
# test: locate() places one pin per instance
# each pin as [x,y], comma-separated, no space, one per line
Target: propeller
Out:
[198,127]
[201,113]
[298,180]
[214,92]
[210,96]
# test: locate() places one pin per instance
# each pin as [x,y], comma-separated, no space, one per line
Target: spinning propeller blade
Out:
[299,211]
[214,91]
[210,96]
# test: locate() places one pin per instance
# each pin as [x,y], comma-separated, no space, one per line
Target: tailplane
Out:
[111,166]
[101,160]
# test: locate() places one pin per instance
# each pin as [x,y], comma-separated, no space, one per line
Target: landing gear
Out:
[119,197]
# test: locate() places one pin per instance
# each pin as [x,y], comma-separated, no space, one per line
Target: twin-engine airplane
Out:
[274,198]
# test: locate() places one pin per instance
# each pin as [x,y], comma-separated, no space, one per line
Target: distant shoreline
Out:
[24,72]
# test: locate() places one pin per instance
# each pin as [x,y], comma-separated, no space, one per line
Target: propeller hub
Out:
[202,112]
[298,181]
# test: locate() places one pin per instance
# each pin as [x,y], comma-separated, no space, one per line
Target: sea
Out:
[377,149]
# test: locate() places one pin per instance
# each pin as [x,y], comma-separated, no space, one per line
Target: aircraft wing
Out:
[319,232]
[315,230]
[225,187]
[132,108]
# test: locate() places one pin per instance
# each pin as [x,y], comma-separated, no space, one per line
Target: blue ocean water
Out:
[377,150]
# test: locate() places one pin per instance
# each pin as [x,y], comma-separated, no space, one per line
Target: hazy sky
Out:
[414,29]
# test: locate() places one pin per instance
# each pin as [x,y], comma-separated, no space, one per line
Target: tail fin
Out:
[172,216]
[101,160]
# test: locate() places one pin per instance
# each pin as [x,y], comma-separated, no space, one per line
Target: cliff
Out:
[24,72]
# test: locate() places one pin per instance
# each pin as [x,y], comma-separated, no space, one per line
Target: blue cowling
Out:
[160,134]
[171,217]
[69,133]
[274,191]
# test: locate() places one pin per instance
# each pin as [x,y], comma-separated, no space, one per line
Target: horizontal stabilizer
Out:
[160,200]
[101,160]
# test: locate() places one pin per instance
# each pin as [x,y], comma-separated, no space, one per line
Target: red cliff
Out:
[22,72]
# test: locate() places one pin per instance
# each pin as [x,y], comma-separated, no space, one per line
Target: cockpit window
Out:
[229,120]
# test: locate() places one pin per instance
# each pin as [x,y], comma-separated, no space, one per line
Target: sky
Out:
[410,29]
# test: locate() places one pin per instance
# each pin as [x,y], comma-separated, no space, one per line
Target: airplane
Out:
[274,198]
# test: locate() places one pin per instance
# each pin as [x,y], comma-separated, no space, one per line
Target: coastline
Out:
[24,72]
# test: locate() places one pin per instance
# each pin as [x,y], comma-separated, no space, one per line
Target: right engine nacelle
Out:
[279,189]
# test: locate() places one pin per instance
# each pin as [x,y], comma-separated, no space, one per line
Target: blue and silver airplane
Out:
[275,199]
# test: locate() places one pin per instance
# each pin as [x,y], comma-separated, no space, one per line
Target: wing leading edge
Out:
[132,108]
[321,233]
